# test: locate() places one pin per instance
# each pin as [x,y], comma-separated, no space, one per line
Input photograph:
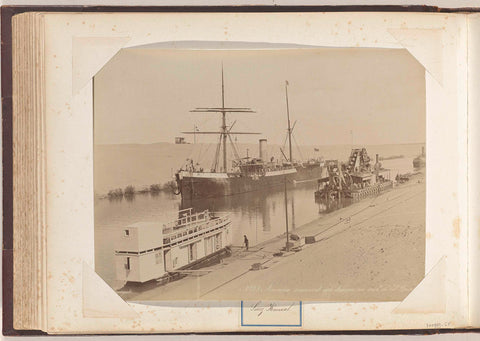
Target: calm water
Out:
[259,215]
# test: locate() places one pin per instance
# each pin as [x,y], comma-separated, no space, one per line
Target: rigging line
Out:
[203,151]
[298,147]
[286,158]
[198,150]
[195,150]
[217,152]
[218,156]
[302,141]
[285,141]
[235,152]
[208,153]
[189,156]
[234,147]
[245,126]
[207,150]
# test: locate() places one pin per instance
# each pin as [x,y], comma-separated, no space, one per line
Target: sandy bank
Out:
[373,250]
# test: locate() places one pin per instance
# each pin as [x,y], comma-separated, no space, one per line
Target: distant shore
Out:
[130,191]
[118,166]
[392,157]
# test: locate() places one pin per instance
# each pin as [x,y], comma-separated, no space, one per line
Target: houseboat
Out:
[150,250]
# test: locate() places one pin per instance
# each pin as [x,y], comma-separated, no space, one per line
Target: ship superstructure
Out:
[420,161]
[150,250]
[246,174]
[356,179]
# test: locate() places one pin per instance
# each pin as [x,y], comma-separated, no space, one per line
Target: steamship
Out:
[420,161]
[246,174]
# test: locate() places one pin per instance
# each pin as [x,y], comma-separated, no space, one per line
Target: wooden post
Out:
[287,247]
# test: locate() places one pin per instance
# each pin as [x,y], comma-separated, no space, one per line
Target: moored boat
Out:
[244,174]
[150,250]
[355,179]
[420,161]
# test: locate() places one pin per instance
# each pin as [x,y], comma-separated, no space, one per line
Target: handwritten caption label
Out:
[271,313]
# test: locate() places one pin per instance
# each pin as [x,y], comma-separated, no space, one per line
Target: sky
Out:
[373,96]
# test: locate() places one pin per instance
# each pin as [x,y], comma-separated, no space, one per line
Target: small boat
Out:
[150,250]
[420,161]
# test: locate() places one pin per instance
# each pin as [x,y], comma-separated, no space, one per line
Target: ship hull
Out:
[308,172]
[196,188]
[419,162]
[193,187]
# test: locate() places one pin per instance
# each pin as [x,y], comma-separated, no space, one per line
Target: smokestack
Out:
[376,158]
[262,152]
[423,151]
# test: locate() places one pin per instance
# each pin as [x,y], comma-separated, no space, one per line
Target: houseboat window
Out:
[158,258]
[126,233]
[127,263]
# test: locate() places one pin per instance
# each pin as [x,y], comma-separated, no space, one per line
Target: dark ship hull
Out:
[195,187]
[203,185]
[308,172]
[420,161]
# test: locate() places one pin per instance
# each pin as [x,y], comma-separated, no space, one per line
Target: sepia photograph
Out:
[242,171]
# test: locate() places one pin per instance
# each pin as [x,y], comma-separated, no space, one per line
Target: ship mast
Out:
[289,127]
[224,129]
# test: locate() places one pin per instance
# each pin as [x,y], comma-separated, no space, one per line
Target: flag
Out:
[286,82]
[316,149]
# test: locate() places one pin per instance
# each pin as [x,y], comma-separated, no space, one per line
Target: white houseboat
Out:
[146,251]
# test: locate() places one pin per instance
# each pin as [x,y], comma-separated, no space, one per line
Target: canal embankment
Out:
[359,255]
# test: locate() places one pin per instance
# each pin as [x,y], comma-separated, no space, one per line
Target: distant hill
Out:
[117,166]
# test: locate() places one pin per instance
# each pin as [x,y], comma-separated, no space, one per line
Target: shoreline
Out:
[327,228]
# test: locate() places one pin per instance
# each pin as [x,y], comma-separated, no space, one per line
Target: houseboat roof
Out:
[145,224]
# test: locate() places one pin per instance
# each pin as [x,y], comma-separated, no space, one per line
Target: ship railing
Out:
[186,217]
[197,228]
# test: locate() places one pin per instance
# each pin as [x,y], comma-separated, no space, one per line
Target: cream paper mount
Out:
[79,300]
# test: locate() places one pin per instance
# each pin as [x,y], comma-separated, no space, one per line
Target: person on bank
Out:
[245,241]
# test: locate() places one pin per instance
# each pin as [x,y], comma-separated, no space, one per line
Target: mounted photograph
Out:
[249,171]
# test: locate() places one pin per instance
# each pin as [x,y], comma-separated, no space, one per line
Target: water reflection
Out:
[258,215]
[129,197]
[329,205]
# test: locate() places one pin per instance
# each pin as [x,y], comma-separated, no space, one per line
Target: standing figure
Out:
[245,241]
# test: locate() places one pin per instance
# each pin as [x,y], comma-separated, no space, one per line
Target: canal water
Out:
[258,215]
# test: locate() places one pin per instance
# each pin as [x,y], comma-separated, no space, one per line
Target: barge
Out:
[147,251]
[355,179]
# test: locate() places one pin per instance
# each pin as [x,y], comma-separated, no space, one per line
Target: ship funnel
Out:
[376,158]
[262,149]
[423,151]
